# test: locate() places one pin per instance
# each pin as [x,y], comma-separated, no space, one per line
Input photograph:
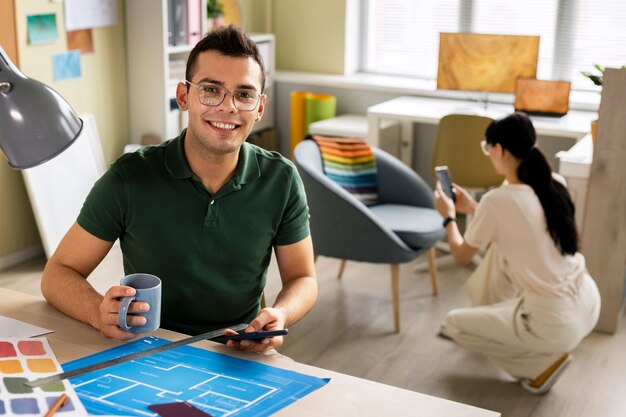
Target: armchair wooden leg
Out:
[341,267]
[432,267]
[395,294]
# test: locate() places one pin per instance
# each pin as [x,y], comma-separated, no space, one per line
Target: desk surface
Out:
[343,396]
[429,110]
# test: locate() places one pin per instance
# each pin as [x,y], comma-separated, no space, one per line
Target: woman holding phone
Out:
[533,300]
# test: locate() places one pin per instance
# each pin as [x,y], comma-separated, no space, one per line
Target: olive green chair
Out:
[457,145]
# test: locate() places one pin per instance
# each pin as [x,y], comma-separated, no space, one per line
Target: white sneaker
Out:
[533,388]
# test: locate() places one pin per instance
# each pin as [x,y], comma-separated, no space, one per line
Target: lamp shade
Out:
[36,123]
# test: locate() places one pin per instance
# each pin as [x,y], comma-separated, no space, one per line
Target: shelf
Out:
[179,49]
[154,68]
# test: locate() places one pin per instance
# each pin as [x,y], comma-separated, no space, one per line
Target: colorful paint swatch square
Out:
[24,406]
[31,348]
[7,350]
[42,365]
[68,406]
[12,366]
[17,386]
[56,386]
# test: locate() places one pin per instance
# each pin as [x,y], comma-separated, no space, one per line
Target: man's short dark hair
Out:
[230,41]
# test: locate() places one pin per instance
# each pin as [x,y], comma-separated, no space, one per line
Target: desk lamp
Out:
[36,123]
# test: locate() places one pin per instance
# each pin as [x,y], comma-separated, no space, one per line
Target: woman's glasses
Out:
[484,146]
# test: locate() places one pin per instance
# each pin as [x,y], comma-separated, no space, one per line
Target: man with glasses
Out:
[202,212]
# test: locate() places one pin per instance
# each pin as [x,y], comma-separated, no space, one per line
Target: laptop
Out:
[542,97]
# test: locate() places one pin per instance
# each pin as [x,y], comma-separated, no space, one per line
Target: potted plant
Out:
[597,78]
[215,14]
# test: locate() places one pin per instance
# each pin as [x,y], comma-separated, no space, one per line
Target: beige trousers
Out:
[523,333]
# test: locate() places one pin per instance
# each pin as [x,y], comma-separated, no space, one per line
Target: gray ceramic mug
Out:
[148,290]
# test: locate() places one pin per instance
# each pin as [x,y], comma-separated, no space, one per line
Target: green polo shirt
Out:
[210,251]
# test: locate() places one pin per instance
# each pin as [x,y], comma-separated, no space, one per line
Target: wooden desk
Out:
[411,109]
[343,396]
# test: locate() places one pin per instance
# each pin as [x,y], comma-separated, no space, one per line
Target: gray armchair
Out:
[402,226]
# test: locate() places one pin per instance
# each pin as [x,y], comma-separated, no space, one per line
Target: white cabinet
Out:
[574,166]
[154,68]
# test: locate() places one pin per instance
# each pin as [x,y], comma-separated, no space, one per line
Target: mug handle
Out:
[121,316]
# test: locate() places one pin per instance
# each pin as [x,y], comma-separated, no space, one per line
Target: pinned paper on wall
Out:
[42,28]
[81,40]
[85,14]
[23,360]
[66,65]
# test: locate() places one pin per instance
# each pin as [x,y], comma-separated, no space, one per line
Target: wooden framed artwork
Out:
[482,62]
[542,97]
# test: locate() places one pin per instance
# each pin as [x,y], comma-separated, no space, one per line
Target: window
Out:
[401,37]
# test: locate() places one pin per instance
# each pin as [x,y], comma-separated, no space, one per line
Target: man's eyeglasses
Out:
[484,146]
[214,95]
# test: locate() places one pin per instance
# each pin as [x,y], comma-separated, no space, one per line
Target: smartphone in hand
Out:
[444,178]
[257,335]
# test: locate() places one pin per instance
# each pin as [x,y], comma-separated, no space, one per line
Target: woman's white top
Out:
[511,217]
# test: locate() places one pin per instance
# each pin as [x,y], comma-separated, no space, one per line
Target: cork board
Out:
[480,62]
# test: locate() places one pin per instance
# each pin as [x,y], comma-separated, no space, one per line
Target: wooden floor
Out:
[350,330]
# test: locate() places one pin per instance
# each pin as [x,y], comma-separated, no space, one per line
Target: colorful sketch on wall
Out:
[42,28]
[81,39]
[66,65]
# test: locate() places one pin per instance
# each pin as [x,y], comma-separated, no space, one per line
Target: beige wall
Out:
[310,35]
[101,90]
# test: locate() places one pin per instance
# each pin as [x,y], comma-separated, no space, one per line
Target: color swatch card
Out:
[23,360]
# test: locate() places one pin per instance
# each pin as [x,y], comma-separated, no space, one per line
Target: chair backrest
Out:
[341,225]
[457,145]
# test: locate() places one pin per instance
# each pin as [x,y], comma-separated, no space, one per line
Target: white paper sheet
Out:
[85,14]
[15,328]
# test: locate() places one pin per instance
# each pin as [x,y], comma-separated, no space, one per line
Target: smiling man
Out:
[202,211]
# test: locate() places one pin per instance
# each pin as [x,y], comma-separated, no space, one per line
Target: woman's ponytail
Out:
[554,198]
[516,134]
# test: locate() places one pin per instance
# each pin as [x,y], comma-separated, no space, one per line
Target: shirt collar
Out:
[176,162]
[248,166]
[175,159]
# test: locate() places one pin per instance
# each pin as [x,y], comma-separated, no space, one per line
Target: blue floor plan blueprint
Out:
[220,385]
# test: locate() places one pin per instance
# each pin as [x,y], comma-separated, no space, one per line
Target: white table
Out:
[411,109]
